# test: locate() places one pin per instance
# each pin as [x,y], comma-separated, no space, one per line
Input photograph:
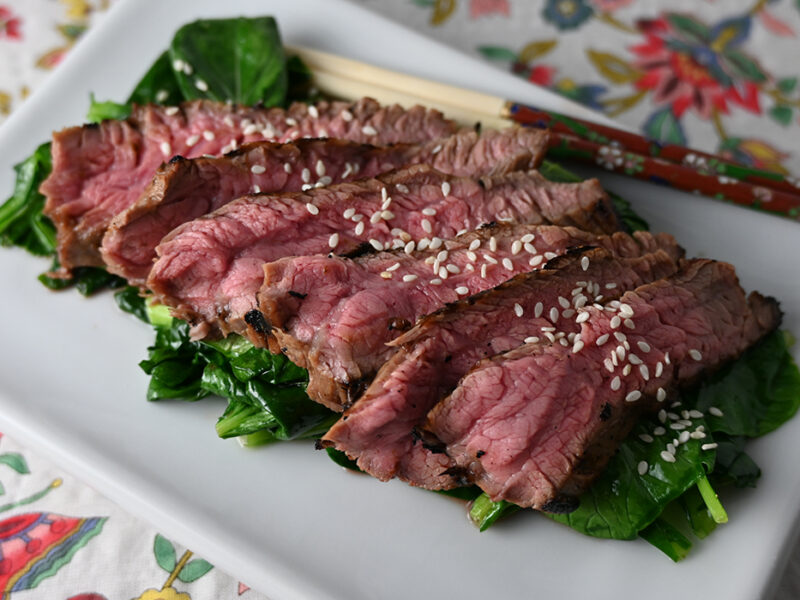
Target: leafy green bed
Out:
[242,60]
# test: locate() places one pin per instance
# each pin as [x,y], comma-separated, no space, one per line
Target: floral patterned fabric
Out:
[710,74]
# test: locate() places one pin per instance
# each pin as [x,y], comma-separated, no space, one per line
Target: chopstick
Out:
[616,150]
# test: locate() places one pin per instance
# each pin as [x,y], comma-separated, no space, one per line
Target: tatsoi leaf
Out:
[158,85]
[239,60]
[21,220]
[756,394]
[621,502]
[102,111]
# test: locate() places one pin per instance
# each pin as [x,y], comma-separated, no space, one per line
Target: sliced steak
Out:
[535,425]
[183,190]
[209,270]
[334,315]
[100,170]
[380,430]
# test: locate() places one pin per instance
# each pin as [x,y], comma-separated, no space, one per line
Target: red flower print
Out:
[9,24]
[478,8]
[87,597]
[689,65]
[541,75]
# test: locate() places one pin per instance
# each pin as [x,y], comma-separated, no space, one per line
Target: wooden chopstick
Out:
[615,149]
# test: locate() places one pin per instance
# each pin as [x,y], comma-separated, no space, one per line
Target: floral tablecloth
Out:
[718,76]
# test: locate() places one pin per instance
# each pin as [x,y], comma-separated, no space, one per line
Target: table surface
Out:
[624,57]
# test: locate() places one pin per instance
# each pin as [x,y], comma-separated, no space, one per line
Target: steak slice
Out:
[100,170]
[209,270]
[183,190]
[334,315]
[380,431]
[534,426]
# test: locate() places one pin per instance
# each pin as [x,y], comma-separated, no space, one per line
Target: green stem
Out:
[53,484]
[712,501]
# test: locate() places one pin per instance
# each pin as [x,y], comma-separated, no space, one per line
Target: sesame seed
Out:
[568,313]
[563,342]
[667,457]
[178,64]
[536,261]
[713,410]
[538,309]
[469,267]
[359,228]
[436,243]
[697,435]
[386,275]
[615,322]
[646,437]
[563,302]
[445,189]
[614,359]
[602,339]
[258,169]
[643,467]
[666,358]
[442,256]
[585,263]
[708,446]
[436,281]
[376,216]
[516,247]
[695,354]
[550,255]
[550,336]
[256,189]
[518,309]
[166,149]
[625,310]
[368,130]
[454,269]
[553,314]
[474,245]
[348,213]
[401,188]
[629,324]
[333,241]
[620,336]
[429,212]
[578,346]
[659,368]
[620,352]
[443,273]
[320,168]
[645,372]
[387,215]
[312,209]
[583,317]
[634,360]
[192,140]
[493,244]
[643,346]
[609,365]
[376,244]
[507,264]
[695,414]
[409,247]
[312,110]
[531,339]
[410,277]
[426,225]
[659,431]
[291,122]
[626,370]
[306,187]
[462,290]
[171,110]
[684,437]
[423,244]
[671,448]
[472,256]
[490,259]
[633,396]
[305,175]
[209,135]
[250,130]
[346,115]
[161,95]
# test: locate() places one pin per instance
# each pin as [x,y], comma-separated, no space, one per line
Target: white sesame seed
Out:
[208,135]
[291,122]
[538,309]
[643,467]
[625,310]
[161,95]
[462,290]
[387,215]
[474,245]
[445,189]
[646,437]
[483,270]
[563,302]
[409,247]
[490,259]
[377,244]
[614,359]
[695,354]
[313,112]
[713,410]
[349,212]
[531,339]
[426,226]
[346,115]
[629,324]
[368,130]
[645,372]
[451,268]
[306,187]
[320,167]
[602,339]
[615,322]
[585,263]
[423,244]
[567,313]
[436,281]
[550,336]
[256,189]
[684,437]
[621,337]
[553,314]
[709,446]
[536,261]
[666,358]
[609,365]
[563,342]
[633,396]
[359,228]
[178,64]
[443,273]
[442,256]
[428,212]
[401,188]
[436,243]
[620,352]
[250,130]
[410,277]
[472,256]
[578,346]
[671,448]
[166,149]
[659,368]
[192,140]
[659,431]
[507,264]
[643,346]
[171,110]
[583,317]
[550,255]
[305,175]
[518,309]
[375,217]
[333,241]
[634,360]
[695,414]
[667,457]
[626,370]
[516,247]
[386,275]
[258,169]
[697,435]
[493,244]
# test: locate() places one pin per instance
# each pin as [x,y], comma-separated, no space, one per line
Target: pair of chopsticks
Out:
[616,150]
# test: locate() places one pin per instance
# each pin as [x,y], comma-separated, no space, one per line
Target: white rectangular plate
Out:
[285,519]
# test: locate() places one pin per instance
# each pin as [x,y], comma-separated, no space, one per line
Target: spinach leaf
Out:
[102,111]
[734,466]
[238,60]
[756,393]
[131,301]
[21,220]
[158,85]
